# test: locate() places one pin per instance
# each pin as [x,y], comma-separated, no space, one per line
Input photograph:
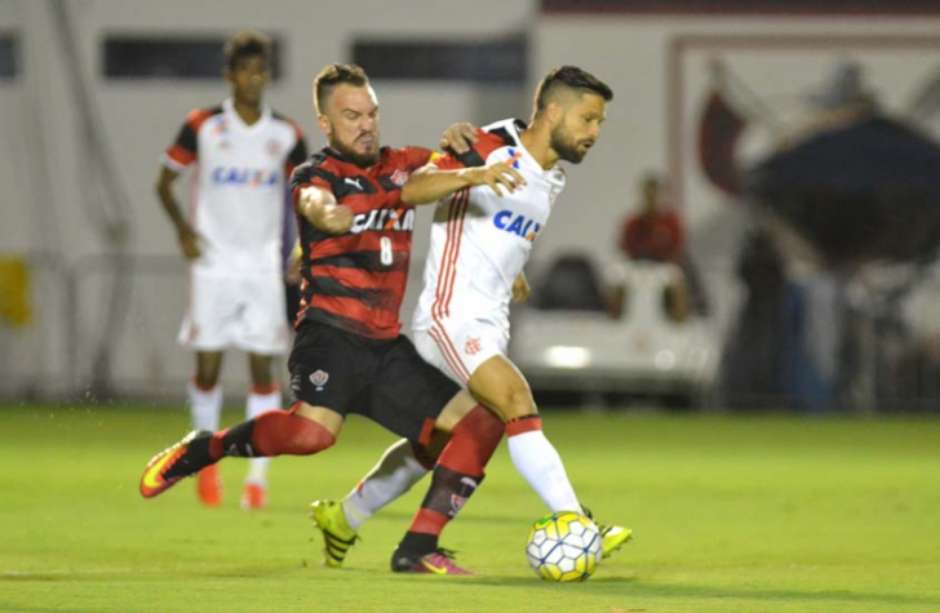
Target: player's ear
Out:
[554,111]
[324,122]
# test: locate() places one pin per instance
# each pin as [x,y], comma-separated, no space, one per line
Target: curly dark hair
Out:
[247,43]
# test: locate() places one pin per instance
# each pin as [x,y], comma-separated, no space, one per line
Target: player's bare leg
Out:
[263,396]
[499,384]
[205,405]
[302,430]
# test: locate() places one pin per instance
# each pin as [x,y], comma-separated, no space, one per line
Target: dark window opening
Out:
[503,60]
[128,56]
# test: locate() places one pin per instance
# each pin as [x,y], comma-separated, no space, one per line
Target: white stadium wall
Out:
[654,63]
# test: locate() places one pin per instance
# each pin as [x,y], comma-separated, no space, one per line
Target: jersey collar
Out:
[228,105]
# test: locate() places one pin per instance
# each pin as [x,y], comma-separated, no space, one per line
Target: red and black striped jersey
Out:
[356,281]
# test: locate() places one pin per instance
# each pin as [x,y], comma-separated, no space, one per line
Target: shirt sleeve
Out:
[297,155]
[311,174]
[185,149]
[416,157]
[485,144]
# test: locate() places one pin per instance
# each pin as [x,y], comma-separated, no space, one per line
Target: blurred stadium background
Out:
[93,287]
[796,140]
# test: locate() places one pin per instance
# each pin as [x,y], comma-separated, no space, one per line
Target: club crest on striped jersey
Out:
[400,219]
[319,379]
[400,177]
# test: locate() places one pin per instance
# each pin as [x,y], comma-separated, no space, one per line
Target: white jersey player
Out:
[241,154]
[494,200]
[480,242]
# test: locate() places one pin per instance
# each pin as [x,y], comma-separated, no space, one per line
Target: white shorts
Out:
[457,348]
[245,312]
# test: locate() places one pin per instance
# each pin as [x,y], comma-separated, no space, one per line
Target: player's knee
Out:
[308,437]
[206,380]
[516,404]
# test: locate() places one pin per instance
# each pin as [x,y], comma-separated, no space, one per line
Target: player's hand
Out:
[189,243]
[459,137]
[294,261]
[498,175]
[520,289]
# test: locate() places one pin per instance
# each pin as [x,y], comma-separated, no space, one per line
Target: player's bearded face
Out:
[579,128]
[354,124]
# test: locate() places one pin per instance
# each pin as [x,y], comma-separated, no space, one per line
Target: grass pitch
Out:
[730,514]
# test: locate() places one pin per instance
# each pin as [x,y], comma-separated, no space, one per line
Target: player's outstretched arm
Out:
[319,207]
[188,239]
[430,184]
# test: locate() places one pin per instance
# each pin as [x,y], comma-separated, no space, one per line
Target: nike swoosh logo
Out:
[151,474]
[437,570]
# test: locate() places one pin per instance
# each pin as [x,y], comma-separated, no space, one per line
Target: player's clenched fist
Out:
[498,175]
[319,207]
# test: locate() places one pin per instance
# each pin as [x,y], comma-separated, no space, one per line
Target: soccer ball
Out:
[564,547]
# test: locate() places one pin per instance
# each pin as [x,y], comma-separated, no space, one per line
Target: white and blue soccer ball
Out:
[564,547]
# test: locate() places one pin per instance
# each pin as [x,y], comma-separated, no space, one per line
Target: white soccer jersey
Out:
[480,241]
[238,199]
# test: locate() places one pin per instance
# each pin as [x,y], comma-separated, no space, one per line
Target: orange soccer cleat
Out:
[209,486]
[180,460]
[254,496]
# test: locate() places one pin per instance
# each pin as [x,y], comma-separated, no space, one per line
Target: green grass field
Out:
[730,514]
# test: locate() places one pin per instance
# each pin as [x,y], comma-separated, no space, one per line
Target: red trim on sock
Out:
[264,390]
[428,522]
[201,388]
[472,443]
[215,445]
[427,428]
[523,425]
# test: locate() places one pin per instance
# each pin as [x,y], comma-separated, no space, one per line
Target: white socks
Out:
[394,475]
[205,406]
[537,460]
[255,405]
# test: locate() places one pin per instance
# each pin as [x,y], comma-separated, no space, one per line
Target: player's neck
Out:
[536,139]
[249,112]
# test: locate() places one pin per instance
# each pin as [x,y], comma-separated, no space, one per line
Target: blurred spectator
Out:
[655,233]
[753,364]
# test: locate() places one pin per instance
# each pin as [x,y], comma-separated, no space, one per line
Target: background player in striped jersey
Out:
[348,355]
[482,236]
[242,153]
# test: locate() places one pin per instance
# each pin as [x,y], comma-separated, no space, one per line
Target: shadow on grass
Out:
[632,587]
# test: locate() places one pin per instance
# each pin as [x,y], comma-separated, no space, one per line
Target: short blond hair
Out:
[333,75]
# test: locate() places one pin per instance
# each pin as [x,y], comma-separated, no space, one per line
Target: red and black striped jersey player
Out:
[348,355]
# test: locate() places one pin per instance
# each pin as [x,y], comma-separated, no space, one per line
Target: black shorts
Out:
[384,380]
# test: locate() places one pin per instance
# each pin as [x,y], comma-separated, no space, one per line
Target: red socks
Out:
[270,434]
[459,470]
